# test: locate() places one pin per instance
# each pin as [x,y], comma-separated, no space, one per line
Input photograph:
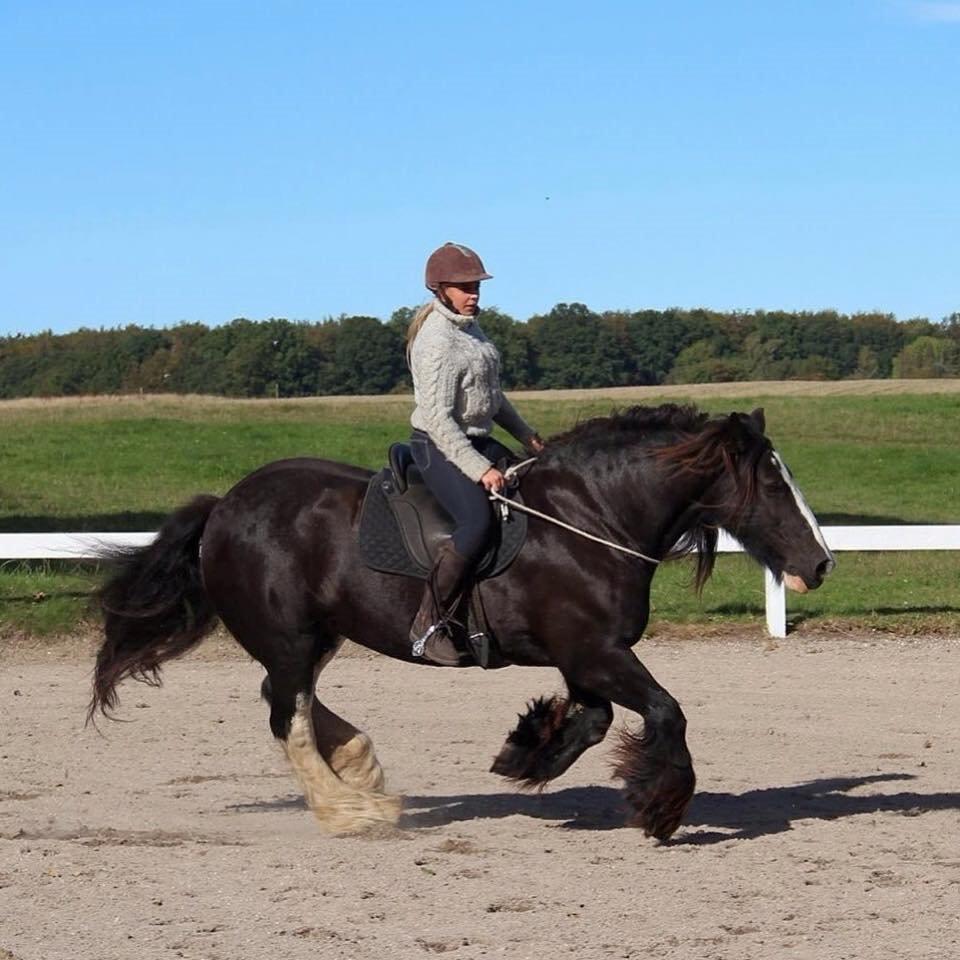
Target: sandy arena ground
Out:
[825,826]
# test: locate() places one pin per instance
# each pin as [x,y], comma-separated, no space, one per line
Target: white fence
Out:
[85,546]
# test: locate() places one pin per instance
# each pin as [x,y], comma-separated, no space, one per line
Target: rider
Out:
[456,381]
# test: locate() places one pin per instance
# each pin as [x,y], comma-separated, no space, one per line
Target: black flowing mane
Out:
[625,426]
[678,439]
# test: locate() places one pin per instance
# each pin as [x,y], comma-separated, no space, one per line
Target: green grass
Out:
[45,599]
[121,475]
[124,465]
[903,593]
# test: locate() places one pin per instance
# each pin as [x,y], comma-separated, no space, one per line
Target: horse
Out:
[276,560]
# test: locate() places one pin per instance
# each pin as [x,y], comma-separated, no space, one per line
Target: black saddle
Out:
[401,524]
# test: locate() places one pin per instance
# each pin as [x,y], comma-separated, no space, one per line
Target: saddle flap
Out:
[401,526]
[423,522]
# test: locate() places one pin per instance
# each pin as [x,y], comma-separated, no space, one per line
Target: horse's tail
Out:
[154,605]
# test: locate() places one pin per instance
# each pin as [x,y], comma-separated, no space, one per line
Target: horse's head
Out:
[699,475]
[761,505]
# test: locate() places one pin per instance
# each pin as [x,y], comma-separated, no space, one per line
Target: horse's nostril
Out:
[824,567]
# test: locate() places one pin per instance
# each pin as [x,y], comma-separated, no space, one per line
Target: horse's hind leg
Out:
[551,735]
[346,749]
[338,805]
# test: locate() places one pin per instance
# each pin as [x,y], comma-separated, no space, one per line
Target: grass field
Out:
[879,452]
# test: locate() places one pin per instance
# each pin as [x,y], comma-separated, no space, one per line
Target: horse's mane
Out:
[681,439]
[625,426]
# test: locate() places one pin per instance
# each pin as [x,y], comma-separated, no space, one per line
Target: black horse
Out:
[279,565]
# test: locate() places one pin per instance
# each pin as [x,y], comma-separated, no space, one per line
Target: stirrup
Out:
[419,646]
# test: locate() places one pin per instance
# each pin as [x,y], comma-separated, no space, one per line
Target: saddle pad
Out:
[390,547]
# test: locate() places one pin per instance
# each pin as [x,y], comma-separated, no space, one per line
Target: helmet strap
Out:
[443,298]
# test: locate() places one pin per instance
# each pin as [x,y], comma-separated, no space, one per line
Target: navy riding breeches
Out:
[464,499]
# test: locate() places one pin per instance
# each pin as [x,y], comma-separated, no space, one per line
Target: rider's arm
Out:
[511,421]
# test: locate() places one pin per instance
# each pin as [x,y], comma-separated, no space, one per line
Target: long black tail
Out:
[154,606]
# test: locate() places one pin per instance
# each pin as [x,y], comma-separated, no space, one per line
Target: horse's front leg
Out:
[655,765]
[551,735]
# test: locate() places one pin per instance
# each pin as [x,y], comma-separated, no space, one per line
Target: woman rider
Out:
[456,382]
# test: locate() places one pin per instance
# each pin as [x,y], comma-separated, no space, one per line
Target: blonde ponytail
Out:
[415,324]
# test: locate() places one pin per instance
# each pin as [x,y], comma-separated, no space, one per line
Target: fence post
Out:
[776,596]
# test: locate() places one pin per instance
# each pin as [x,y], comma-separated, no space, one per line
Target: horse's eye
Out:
[771,473]
[772,481]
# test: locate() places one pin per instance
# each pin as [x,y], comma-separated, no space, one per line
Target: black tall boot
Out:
[430,633]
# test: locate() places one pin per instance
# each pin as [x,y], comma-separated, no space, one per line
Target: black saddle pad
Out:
[399,532]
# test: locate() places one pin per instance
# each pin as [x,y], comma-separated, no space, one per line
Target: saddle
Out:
[401,524]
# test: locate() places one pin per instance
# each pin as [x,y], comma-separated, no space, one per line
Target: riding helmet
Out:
[454,263]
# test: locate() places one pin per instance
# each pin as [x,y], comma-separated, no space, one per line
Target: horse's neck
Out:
[670,505]
[640,504]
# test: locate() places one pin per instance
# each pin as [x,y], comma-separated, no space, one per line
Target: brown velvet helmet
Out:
[453,263]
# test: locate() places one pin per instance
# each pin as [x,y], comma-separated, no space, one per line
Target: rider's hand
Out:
[493,480]
[535,444]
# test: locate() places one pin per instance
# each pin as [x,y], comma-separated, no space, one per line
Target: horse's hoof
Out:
[659,823]
[510,762]
[355,816]
[518,758]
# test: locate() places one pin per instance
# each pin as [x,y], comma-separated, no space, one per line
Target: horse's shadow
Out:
[711,818]
[772,810]
[726,816]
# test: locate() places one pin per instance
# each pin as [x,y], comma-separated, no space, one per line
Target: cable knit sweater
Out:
[456,384]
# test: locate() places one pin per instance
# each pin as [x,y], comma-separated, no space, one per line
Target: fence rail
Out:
[88,546]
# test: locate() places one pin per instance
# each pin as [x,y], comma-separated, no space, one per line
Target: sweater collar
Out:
[460,320]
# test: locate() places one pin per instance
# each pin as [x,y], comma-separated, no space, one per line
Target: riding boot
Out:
[431,631]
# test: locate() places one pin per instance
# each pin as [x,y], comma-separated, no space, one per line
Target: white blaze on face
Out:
[803,506]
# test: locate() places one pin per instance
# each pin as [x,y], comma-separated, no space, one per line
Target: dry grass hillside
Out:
[758,388]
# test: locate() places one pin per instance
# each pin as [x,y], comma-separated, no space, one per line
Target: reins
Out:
[506,504]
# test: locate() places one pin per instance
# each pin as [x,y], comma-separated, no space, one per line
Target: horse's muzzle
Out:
[802,584]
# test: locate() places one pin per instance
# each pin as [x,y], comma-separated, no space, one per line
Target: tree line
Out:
[571,346]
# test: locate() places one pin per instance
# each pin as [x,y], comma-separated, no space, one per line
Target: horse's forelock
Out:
[726,444]
[705,451]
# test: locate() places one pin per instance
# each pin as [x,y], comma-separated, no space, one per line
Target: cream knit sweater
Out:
[456,386]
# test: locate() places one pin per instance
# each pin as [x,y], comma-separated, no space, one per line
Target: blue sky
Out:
[207,160]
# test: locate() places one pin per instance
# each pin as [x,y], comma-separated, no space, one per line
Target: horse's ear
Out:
[759,419]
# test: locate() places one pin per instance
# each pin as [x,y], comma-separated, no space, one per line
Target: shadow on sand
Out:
[721,816]
[712,817]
